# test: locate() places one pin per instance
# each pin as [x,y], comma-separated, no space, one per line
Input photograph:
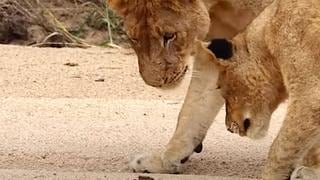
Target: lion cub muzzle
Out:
[238,126]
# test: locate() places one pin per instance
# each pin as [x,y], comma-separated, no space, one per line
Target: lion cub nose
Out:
[246,124]
[239,127]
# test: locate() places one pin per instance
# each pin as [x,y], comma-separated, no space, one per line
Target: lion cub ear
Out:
[221,48]
[205,56]
[119,6]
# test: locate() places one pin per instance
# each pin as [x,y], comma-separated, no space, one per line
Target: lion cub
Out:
[275,58]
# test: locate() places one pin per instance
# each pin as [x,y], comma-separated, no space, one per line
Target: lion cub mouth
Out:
[237,129]
[176,78]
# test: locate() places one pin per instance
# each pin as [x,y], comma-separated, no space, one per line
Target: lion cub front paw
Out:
[152,163]
[305,173]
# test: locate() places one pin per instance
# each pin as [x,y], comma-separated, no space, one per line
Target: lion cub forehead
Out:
[154,26]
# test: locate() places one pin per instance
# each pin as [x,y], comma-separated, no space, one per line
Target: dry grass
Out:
[17,16]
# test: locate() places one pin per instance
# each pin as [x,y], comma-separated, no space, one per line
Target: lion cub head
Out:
[162,33]
[250,89]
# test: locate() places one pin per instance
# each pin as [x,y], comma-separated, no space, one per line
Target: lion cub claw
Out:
[199,148]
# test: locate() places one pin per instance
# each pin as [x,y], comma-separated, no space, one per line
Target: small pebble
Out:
[71,64]
[99,80]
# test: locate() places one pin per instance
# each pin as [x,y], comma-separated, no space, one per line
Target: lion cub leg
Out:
[202,104]
[299,133]
[310,168]
[312,159]
[311,165]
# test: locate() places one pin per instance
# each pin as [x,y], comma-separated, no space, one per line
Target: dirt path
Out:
[89,110]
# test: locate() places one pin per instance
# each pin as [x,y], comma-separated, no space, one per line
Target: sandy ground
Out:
[93,116]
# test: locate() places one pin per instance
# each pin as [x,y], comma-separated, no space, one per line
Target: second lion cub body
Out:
[277,57]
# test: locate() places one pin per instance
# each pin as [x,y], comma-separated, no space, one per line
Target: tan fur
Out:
[147,21]
[275,58]
[164,66]
[232,16]
[162,62]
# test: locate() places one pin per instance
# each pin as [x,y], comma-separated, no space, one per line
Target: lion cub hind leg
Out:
[299,133]
[312,159]
[311,166]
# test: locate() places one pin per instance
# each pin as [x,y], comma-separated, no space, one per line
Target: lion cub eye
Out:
[167,38]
